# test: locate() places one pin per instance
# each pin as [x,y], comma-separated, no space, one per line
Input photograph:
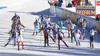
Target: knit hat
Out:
[98,15]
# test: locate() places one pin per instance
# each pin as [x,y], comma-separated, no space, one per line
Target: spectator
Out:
[50,2]
[79,2]
[98,17]
[89,4]
[54,4]
[59,3]
[74,2]
[69,5]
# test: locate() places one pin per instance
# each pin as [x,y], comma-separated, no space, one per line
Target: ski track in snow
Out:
[28,10]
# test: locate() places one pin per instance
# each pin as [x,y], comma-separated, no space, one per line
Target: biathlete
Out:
[83,28]
[92,32]
[60,24]
[46,34]
[72,33]
[60,38]
[13,32]
[36,29]
[68,25]
[77,33]
[20,37]
[81,21]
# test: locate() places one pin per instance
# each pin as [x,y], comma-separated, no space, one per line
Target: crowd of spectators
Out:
[73,3]
[78,3]
[56,3]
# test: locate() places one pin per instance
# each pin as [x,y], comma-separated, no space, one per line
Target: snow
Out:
[28,10]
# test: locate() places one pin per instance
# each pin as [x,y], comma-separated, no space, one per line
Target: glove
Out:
[23,26]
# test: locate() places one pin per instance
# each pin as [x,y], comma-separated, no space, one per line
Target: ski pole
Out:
[29,40]
[88,43]
[40,40]
[97,39]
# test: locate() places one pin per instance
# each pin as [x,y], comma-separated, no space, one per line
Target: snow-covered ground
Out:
[28,10]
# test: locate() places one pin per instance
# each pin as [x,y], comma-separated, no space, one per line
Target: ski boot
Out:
[68,35]
[92,46]
[33,34]
[76,43]
[47,44]
[79,43]
[36,33]
[18,48]
[80,36]
[71,41]
[67,46]
[84,37]
[23,47]
[44,45]
[14,44]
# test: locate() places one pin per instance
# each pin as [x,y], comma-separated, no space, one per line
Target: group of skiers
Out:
[76,31]
[16,31]
[45,23]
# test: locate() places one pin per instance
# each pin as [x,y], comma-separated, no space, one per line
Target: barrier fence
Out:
[64,13]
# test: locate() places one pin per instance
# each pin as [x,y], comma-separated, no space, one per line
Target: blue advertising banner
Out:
[3,7]
[86,10]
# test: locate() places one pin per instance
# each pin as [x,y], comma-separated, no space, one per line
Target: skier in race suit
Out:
[36,29]
[68,25]
[16,19]
[92,32]
[13,36]
[60,38]
[72,33]
[54,29]
[60,24]
[77,33]
[83,28]
[20,37]
[80,25]
[46,34]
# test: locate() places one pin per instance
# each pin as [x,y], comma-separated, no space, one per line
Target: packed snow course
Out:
[28,10]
